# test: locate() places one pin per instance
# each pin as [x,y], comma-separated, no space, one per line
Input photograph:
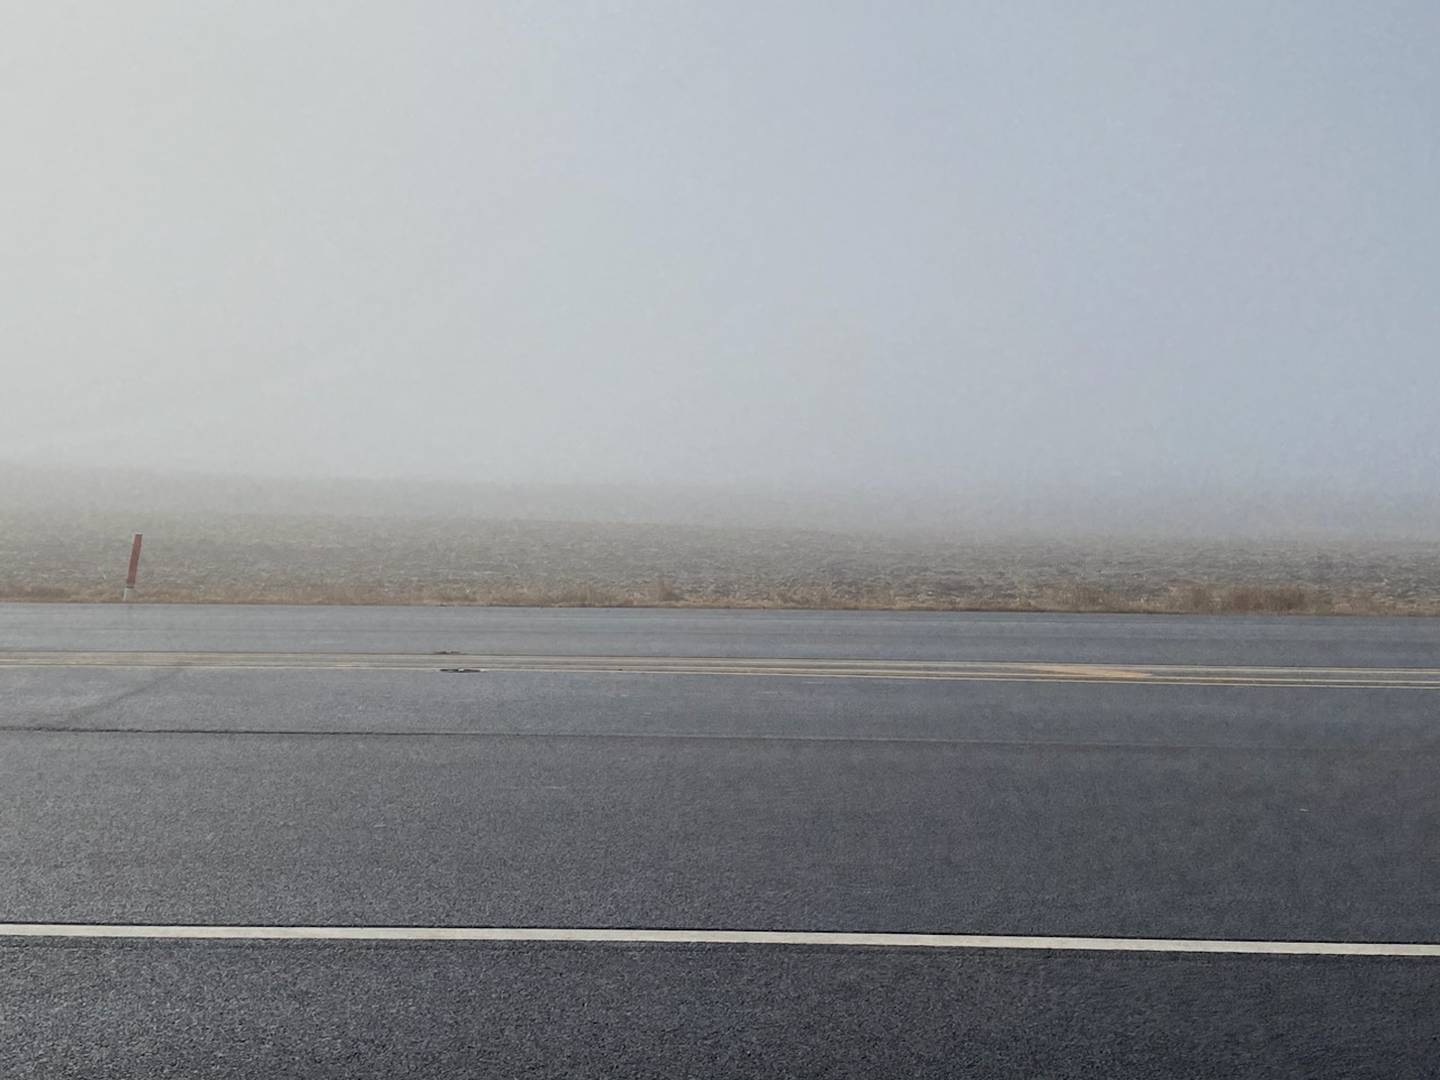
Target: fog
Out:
[1072,260]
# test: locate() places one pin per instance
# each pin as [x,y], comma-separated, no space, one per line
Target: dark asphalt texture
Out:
[143,1010]
[716,833]
[628,703]
[532,798]
[868,635]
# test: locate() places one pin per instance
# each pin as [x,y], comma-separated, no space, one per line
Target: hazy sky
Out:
[821,243]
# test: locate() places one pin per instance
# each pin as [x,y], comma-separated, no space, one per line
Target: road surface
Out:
[849,635]
[930,845]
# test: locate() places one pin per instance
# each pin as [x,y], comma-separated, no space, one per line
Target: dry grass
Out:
[312,560]
[1182,599]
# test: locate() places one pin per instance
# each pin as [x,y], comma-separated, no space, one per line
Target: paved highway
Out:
[156,776]
[1127,639]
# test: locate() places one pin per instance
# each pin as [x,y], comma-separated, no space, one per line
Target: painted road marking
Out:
[713,937]
[965,671]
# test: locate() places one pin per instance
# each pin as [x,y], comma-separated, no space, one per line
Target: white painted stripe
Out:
[714,937]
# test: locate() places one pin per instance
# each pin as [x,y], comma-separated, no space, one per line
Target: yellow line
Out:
[962,671]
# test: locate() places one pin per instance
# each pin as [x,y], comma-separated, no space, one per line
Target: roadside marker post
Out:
[129,593]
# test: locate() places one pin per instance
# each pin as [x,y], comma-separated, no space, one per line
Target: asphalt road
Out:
[215,795]
[328,1011]
[1127,639]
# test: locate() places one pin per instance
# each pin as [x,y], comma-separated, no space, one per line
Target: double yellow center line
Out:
[953,671]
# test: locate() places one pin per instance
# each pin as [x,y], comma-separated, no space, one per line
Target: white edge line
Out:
[714,937]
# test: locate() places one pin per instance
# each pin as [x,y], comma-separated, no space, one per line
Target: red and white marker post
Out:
[134,569]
